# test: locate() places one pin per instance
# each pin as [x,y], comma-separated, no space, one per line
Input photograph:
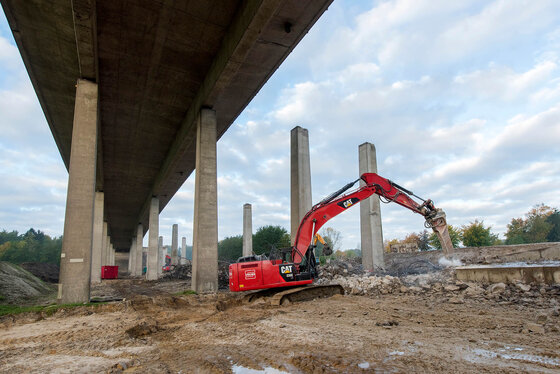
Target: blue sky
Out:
[461,99]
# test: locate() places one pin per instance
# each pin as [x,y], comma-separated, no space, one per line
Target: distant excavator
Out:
[296,266]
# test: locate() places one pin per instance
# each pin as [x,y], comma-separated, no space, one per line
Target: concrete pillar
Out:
[300,178]
[132,258]
[75,262]
[370,214]
[139,247]
[112,257]
[161,259]
[205,226]
[97,245]
[108,251]
[153,231]
[174,244]
[104,245]
[184,250]
[247,230]
[129,265]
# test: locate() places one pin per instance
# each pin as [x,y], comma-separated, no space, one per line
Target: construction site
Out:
[137,95]
[421,319]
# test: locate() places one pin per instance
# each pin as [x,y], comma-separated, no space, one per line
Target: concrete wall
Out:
[400,262]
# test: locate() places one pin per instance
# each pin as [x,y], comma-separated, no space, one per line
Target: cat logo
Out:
[287,269]
[287,272]
[348,203]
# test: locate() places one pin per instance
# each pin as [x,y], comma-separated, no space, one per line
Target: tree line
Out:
[32,246]
[541,224]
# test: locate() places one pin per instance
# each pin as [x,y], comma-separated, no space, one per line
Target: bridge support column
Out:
[174,244]
[108,251]
[161,259]
[153,231]
[104,245]
[300,178]
[75,262]
[97,245]
[132,258]
[112,255]
[183,250]
[205,226]
[370,214]
[139,255]
[247,230]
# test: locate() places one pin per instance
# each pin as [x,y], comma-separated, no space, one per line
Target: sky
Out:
[460,98]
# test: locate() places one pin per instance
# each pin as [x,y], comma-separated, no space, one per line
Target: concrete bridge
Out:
[136,94]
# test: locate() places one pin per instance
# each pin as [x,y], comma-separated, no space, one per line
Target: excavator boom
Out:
[372,184]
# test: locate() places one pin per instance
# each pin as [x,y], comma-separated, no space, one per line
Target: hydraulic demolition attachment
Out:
[297,266]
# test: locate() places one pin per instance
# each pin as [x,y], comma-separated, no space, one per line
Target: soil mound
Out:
[45,272]
[17,283]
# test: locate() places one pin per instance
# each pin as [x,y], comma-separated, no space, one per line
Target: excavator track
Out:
[285,296]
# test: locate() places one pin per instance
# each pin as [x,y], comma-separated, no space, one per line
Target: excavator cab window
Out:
[283,254]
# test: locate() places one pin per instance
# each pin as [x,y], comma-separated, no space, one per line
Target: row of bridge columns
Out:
[301,201]
[87,244]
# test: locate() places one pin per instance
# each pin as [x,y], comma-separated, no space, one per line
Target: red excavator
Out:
[297,266]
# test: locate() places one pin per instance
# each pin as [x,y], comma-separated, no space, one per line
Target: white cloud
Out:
[501,82]
[461,100]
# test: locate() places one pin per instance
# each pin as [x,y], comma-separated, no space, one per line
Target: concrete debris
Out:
[436,283]
[497,288]
[523,287]
[185,272]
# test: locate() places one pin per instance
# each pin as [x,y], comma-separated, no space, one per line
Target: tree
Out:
[554,221]
[33,246]
[6,236]
[387,244]
[454,234]
[476,235]
[515,233]
[536,225]
[230,248]
[412,238]
[424,240]
[332,237]
[536,228]
[268,237]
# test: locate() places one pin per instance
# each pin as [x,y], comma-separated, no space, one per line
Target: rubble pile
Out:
[341,268]
[185,272]
[443,284]
[179,272]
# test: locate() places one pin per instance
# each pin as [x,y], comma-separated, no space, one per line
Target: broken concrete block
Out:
[523,287]
[497,288]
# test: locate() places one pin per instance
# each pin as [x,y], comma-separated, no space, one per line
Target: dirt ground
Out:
[153,331]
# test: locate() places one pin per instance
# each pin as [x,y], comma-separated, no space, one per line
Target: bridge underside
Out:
[156,64]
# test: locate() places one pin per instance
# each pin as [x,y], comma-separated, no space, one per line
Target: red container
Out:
[109,272]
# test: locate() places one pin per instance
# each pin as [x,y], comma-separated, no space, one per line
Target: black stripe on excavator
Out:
[348,202]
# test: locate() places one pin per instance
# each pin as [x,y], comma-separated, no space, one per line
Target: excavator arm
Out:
[338,202]
[327,250]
